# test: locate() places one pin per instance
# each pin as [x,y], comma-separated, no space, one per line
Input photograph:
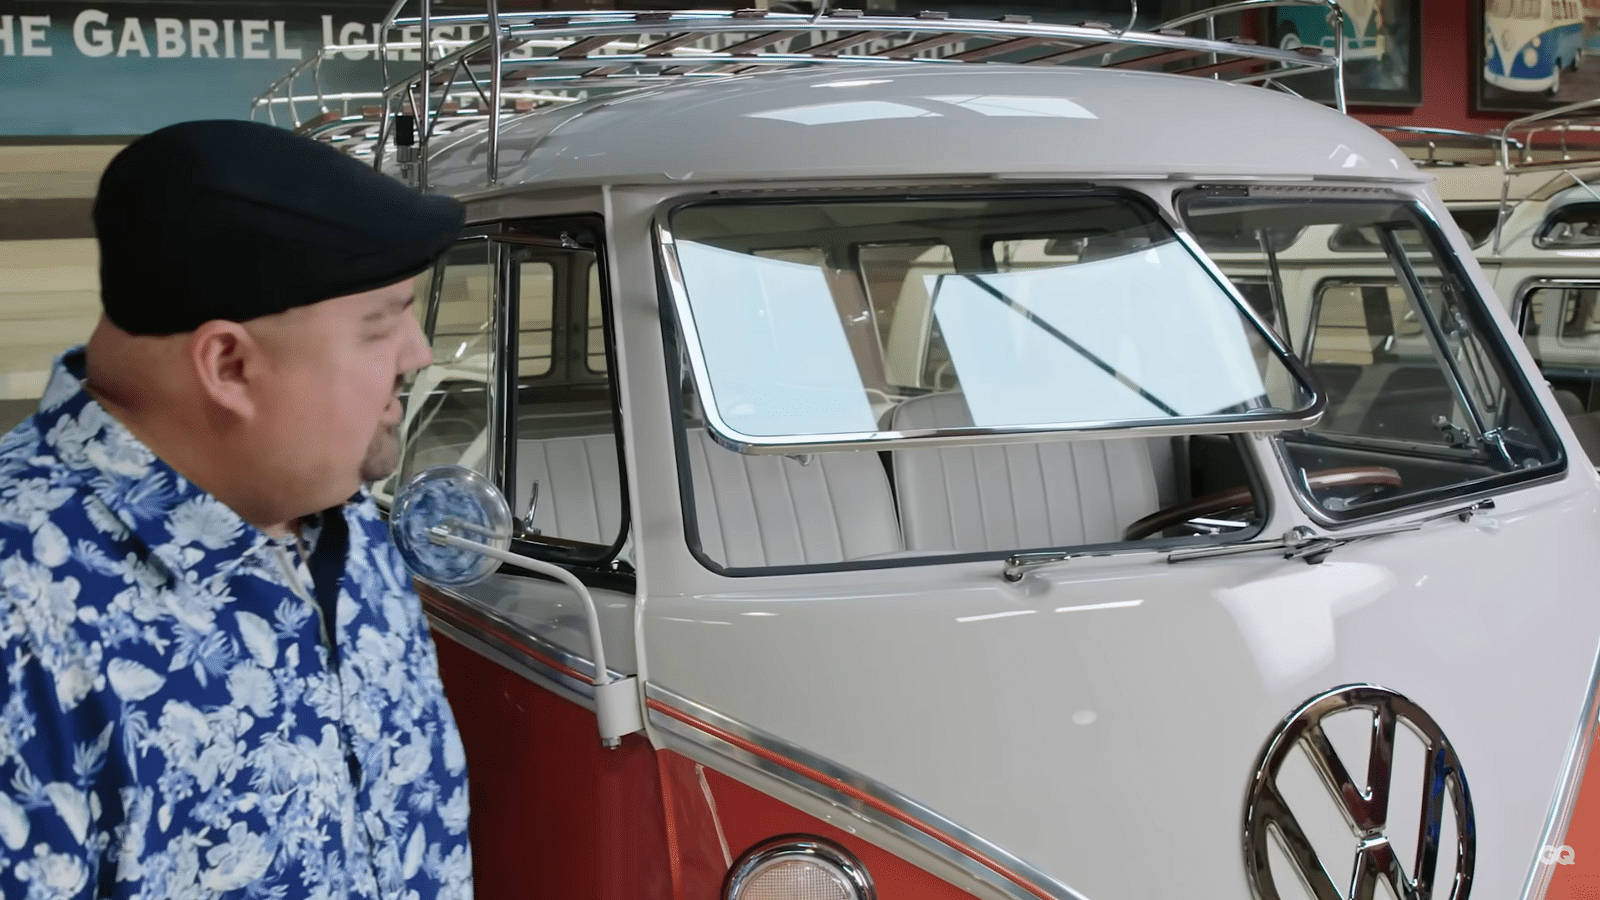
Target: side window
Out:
[536,317]
[447,412]
[1577,225]
[545,414]
[564,475]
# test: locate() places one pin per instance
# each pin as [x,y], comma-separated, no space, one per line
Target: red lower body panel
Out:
[554,814]
[1574,875]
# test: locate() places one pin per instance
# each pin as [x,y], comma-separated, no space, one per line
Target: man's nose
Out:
[415,351]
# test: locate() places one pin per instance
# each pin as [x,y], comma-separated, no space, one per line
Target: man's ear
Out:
[228,364]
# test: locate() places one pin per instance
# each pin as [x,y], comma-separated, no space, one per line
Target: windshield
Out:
[807,323]
[1418,379]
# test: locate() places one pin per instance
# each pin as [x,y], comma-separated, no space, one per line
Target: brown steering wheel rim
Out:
[1217,501]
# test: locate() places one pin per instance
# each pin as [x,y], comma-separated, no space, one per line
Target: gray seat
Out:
[777,511]
[751,510]
[580,488]
[1018,496]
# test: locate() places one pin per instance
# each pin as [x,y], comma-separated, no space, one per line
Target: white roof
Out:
[927,120]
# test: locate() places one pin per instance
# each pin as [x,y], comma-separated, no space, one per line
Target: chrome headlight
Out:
[798,867]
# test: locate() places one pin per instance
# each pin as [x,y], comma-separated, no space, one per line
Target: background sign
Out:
[84,68]
[127,67]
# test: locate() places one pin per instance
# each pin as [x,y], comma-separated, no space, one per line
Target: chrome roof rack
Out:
[529,60]
[1562,123]
[1481,147]
[1520,150]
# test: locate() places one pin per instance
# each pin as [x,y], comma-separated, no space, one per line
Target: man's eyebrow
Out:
[392,308]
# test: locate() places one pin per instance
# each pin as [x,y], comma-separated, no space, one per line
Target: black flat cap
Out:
[230,219]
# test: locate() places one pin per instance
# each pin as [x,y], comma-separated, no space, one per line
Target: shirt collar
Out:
[195,535]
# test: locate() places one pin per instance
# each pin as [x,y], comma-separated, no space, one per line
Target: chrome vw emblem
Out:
[1367,809]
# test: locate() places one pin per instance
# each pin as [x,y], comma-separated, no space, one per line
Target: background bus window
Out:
[1561,327]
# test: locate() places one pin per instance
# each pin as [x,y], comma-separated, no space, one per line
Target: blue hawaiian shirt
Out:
[177,718]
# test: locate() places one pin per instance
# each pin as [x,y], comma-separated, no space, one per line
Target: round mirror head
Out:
[464,504]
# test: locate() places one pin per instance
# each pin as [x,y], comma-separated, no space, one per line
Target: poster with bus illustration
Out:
[1381,44]
[1535,54]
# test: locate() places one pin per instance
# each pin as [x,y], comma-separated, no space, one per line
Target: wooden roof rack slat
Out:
[581,49]
[759,42]
[850,40]
[1085,51]
[667,45]
[912,48]
[996,49]
[1154,59]
[1217,68]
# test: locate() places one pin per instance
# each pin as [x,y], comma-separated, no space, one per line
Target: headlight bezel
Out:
[832,859]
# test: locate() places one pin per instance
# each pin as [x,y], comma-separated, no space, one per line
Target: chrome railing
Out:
[528,60]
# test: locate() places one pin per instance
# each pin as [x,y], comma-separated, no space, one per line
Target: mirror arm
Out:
[616,700]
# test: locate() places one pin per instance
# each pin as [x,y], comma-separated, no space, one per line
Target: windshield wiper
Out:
[1089,356]
[1301,542]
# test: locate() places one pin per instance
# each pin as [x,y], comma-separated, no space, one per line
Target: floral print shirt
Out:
[176,718]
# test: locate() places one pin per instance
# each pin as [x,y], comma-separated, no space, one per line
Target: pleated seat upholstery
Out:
[779,511]
[580,487]
[1020,496]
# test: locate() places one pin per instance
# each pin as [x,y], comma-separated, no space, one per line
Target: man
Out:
[217,680]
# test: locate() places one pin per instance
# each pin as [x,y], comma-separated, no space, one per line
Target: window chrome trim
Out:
[1519,303]
[1541,235]
[798,846]
[1498,346]
[1280,344]
[971,854]
[504,328]
[1427,501]
[729,437]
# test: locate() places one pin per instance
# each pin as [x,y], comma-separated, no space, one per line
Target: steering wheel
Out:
[1374,477]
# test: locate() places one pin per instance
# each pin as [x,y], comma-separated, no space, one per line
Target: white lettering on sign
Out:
[353,33]
[203,36]
[282,51]
[132,40]
[169,38]
[251,33]
[34,37]
[96,33]
[90,34]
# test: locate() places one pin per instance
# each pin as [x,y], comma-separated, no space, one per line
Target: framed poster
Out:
[1534,54]
[1382,49]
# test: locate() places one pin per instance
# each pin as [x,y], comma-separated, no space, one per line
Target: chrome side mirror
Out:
[452,527]
[452,500]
